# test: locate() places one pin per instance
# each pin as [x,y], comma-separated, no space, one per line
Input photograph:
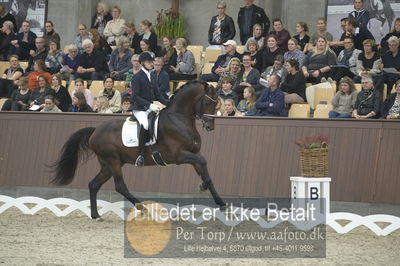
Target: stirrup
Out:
[139,161]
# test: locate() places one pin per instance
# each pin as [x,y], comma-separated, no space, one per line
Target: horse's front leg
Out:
[200,165]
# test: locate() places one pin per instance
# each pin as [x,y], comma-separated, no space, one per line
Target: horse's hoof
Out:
[142,208]
[202,188]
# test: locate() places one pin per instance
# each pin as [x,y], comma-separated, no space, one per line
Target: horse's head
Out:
[205,106]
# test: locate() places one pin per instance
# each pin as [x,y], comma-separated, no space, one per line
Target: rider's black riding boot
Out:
[142,145]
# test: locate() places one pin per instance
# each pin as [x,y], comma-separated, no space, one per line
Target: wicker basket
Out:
[314,162]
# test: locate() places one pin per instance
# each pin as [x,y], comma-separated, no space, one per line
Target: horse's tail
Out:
[74,150]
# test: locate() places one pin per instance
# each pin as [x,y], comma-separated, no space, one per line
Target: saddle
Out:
[152,117]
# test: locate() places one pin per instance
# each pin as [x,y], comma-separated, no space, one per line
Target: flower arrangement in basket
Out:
[169,24]
[313,156]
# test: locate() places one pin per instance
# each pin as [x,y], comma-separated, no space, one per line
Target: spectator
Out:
[391,106]
[294,52]
[102,106]
[344,100]
[221,27]
[160,77]
[6,36]
[220,108]
[39,53]
[133,36]
[115,27]
[276,69]
[169,54]
[50,105]
[136,67]
[148,34]
[359,34]
[226,91]
[281,35]
[6,16]
[125,106]
[55,57]
[100,19]
[93,65]
[256,55]
[71,62]
[60,93]
[249,15]
[391,59]
[270,51]
[50,34]
[230,108]
[250,78]
[338,46]
[99,42]
[185,67]
[39,69]
[294,84]
[79,104]
[145,47]
[257,36]
[38,94]
[394,32]
[112,96]
[247,105]
[82,35]
[24,42]
[369,100]
[361,15]
[302,38]
[10,76]
[19,98]
[233,71]
[318,61]
[120,61]
[80,87]
[272,99]
[321,31]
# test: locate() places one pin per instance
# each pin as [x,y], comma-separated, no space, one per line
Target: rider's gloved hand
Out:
[154,108]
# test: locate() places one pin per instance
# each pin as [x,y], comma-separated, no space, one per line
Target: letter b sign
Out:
[314,193]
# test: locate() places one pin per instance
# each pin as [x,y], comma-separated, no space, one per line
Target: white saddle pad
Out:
[130,137]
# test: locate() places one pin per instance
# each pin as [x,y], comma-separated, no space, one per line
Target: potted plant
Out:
[169,24]
[313,156]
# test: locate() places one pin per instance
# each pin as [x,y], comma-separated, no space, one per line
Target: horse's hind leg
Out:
[95,185]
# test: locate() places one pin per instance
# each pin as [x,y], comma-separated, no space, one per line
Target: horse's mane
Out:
[187,87]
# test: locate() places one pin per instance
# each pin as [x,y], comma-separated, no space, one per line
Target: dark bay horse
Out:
[178,141]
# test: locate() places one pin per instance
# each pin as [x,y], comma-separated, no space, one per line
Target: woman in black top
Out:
[302,37]
[294,84]
[99,42]
[100,19]
[269,52]
[133,36]
[391,106]
[394,32]
[37,96]
[10,75]
[369,100]
[60,93]
[222,27]
[19,98]
[6,36]
[169,54]
[79,104]
[148,34]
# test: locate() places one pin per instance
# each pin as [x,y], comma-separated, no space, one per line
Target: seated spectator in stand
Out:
[148,34]
[115,27]
[101,106]
[24,42]
[281,35]
[133,36]
[60,93]
[145,47]
[71,62]
[344,100]
[256,55]
[125,105]
[93,65]
[276,69]
[39,53]
[50,34]
[160,76]
[226,92]
[82,35]
[19,98]
[233,71]
[270,51]
[391,59]
[185,67]
[318,61]
[391,106]
[50,105]
[369,100]
[99,42]
[222,62]
[294,84]
[80,87]
[361,15]
[55,57]
[136,67]
[369,63]
[230,108]
[100,19]
[222,27]
[6,36]
[294,52]
[257,36]
[6,16]
[112,96]
[38,94]
[169,54]
[39,69]
[79,104]
[338,46]
[250,78]
[272,100]
[247,106]
[8,81]
[321,31]
[220,108]
[120,61]
[346,61]
[394,32]
[359,34]
[302,38]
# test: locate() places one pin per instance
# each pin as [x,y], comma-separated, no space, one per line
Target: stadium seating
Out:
[299,111]
[211,55]
[197,51]
[322,110]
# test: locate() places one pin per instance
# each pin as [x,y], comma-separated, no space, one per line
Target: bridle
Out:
[200,107]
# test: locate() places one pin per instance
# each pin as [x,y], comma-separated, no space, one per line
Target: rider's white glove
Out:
[154,108]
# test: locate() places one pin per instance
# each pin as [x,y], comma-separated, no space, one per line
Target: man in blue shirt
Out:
[360,14]
[272,99]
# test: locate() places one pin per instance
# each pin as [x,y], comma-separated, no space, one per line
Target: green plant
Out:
[169,24]
[313,142]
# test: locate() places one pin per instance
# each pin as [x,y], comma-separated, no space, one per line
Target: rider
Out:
[144,92]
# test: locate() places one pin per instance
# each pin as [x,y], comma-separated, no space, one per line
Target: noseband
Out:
[200,107]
